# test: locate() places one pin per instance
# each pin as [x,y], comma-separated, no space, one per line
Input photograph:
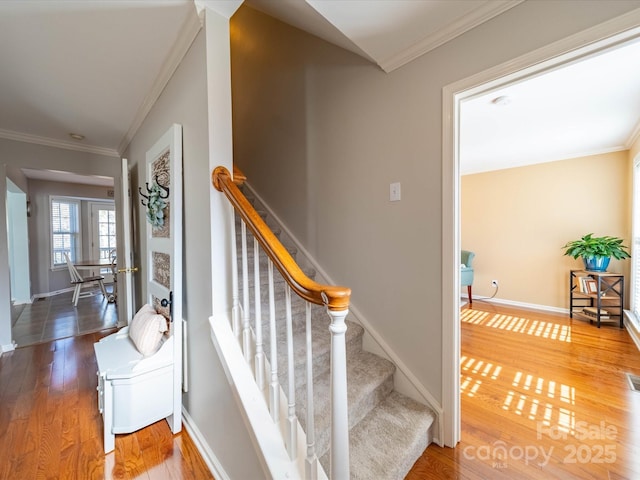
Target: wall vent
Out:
[634,382]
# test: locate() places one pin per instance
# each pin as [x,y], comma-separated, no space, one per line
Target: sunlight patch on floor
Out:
[510,323]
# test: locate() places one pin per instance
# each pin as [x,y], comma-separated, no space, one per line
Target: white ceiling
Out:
[95,67]
[82,67]
[584,108]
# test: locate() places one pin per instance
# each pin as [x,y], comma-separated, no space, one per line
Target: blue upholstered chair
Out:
[466,271]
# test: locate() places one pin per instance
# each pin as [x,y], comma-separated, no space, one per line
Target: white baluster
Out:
[339,407]
[246,332]
[256,287]
[292,419]
[311,462]
[274,388]
[235,312]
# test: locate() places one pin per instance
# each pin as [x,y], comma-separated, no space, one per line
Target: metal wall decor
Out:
[160,169]
[155,202]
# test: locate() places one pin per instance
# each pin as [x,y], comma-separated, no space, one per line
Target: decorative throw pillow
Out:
[146,329]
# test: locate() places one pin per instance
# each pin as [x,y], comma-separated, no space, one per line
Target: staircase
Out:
[387,430]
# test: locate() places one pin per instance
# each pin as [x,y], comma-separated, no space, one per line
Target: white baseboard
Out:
[214,465]
[7,348]
[51,294]
[630,325]
[20,302]
[531,306]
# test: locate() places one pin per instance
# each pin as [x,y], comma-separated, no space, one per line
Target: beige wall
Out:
[516,221]
[320,134]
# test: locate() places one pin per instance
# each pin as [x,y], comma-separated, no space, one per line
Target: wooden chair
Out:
[79,281]
[114,271]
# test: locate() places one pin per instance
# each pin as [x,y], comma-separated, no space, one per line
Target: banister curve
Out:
[336,298]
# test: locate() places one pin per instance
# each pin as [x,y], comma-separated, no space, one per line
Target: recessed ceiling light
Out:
[76,136]
[501,101]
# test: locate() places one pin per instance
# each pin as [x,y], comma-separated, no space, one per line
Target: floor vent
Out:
[634,382]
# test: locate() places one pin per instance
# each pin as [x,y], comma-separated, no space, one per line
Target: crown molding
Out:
[585,153]
[51,142]
[633,137]
[478,16]
[187,35]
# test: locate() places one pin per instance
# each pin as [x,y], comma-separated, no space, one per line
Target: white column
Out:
[311,461]
[274,387]
[292,419]
[339,406]
[235,291]
[246,331]
[259,358]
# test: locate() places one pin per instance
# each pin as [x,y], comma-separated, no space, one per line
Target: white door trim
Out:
[94,235]
[166,240]
[124,251]
[575,47]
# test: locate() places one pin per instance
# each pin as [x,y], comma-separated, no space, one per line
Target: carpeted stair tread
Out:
[386,443]
[321,348]
[369,381]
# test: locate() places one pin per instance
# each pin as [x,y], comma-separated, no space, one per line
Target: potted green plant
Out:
[596,252]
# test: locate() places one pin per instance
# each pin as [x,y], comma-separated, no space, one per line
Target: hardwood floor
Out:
[543,397]
[51,427]
[52,318]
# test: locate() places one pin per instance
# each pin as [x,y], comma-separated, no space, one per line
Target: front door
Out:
[103,236]
[162,198]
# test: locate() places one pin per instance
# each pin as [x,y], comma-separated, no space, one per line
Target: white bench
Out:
[133,391]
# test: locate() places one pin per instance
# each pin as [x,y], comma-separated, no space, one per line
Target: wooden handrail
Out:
[334,297]
[238,177]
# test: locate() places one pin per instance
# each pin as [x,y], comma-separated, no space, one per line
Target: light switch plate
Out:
[394,192]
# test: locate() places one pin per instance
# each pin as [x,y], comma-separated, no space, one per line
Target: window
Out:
[635,246]
[103,233]
[65,230]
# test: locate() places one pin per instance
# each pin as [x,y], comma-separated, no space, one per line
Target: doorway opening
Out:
[65,213]
[573,49]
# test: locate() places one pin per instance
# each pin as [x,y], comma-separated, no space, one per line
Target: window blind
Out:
[65,230]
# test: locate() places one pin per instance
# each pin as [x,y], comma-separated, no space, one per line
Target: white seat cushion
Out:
[146,330]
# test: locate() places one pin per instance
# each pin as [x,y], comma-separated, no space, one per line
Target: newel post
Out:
[339,406]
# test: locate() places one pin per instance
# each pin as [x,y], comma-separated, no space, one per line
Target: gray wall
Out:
[321,134]
[209,402]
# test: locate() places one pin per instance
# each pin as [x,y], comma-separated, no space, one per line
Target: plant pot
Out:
[596,264]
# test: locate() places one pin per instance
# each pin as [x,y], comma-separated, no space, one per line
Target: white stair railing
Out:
[311,460]
[259,366]
[336,301]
